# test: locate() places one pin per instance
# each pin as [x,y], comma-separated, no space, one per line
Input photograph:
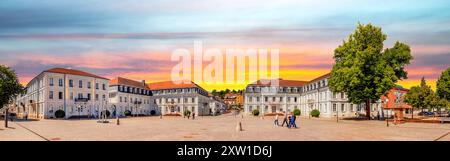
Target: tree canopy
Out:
[9,86]
[443,85]
[417,94]
[363,70]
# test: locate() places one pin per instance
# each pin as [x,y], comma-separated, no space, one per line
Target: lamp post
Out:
[387,113]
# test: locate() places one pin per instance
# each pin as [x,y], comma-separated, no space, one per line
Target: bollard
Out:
[117,121]
[239,126]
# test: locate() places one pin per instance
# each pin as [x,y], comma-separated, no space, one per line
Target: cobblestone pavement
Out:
[220,128]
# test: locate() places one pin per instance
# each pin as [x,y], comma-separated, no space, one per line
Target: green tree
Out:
[443,85]
[417,94]
[363,70]
[433,102]
[9,87]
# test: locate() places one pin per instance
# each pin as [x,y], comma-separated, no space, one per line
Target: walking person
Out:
[293,124]
[285,120]
[289,122]
[193,116]
[276,120]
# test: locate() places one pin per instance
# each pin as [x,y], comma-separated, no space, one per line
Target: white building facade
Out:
[77,93]
[306,96]
[133,97]
[174,99]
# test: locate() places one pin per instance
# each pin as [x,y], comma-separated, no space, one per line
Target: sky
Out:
[135,38]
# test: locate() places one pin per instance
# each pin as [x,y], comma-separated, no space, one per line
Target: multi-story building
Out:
[304,95]
[268,98]
[174,99]
[77,93]
[132,96]
[233,99]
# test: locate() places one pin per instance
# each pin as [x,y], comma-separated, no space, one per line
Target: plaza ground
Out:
[220,128]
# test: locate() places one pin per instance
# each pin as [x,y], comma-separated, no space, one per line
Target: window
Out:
[89,96]
[96,85]
[71,95]
[193,99]
[60,82]
[104,97]
[50,95]
[334,107]
[104,86]
[80,84]
[257,99]
[125,99]
[60,95]
[342,95]
[342,108]
[120,99]
[89,85]
[80,95]
[281,99]
[70,83]
[250,99]
[50,81]
[295,99]
[273,99]
[96,97]
[266,99]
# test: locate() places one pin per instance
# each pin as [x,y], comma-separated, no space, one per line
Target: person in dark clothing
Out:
[289,121]
[293,121]
[193,116]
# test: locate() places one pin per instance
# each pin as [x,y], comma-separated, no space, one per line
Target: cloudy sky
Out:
[135,38]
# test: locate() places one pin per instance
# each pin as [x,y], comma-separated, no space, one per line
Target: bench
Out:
[445,119]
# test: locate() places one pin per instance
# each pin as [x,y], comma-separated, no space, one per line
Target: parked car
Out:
[425,113]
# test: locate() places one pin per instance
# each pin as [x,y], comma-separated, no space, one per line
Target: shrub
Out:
[60,114]
[255,112]
[152,112]
[297,112]
[127,113]
[187,113]
[315,113]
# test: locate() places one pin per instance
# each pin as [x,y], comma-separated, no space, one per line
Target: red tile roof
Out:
[128,82]
[73,72]
[170,85]
[282,83]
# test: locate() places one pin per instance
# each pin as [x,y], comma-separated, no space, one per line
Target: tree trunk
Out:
[6,117]
[368,109]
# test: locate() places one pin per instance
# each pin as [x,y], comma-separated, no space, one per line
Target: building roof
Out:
[128,82]
[321,77]
[73,72]
[282,83]
[170,85]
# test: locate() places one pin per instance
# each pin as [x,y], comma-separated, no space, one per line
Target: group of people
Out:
[289,120]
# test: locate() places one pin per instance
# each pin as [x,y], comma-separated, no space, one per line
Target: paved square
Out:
[219,128]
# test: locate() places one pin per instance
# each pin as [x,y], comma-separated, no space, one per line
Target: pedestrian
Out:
[293,124]
[193,116]
[276,120]
[285,121]
[188,116]
[289,121]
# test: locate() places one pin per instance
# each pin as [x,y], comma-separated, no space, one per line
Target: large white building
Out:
[131,96]
[174,99]
[77,93]
[304,95]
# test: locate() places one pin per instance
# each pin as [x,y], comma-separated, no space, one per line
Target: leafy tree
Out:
[417,94]
[434,102]
[9,87]
[443,85]
[363,70]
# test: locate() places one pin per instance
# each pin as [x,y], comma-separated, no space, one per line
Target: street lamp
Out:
[387,113]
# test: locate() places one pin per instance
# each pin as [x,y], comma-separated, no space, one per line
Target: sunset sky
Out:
[135,38]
